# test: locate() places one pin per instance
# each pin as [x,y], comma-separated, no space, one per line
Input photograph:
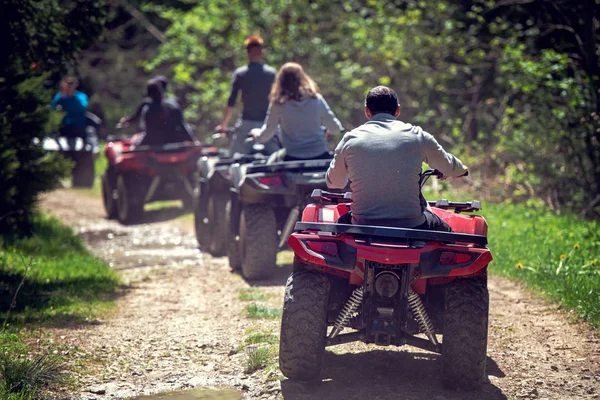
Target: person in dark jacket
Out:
[163,119]
[254,82]
[146,101]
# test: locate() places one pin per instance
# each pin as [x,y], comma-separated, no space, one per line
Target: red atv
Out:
[139,174]
[385,286]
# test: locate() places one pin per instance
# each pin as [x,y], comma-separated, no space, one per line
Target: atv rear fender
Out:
[344,255]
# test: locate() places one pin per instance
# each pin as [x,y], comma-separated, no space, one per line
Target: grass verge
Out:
[257,311]
[54,280]
[557,254]
[252,294]
[64,281]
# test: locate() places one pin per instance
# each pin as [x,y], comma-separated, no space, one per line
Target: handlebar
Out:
[434,172]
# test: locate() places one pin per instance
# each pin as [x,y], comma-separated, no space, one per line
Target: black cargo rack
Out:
[291,166]
[366,231]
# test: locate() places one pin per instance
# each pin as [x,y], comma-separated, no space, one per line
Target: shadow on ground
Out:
[160,215]
[278,277]
[50,304]
[384,374]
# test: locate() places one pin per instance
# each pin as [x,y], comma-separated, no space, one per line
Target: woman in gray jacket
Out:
[297,107]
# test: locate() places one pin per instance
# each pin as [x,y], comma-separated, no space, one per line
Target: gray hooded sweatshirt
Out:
[300,123]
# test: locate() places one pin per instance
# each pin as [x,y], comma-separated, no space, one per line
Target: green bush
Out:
[41,37]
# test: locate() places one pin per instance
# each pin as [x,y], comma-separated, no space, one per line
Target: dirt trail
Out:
[180,320]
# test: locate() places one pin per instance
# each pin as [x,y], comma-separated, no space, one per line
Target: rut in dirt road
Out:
[180,323]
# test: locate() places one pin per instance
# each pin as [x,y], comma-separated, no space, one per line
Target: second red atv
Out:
[139,174]
[385,286]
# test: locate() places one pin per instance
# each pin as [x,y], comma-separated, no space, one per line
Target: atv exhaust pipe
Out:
[288,228]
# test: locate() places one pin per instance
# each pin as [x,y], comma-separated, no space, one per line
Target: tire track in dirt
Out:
[179,321]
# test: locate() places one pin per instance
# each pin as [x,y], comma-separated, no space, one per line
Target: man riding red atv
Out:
[152,166]
[382,261]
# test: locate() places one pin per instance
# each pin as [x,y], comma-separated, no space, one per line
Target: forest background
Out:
[511,86]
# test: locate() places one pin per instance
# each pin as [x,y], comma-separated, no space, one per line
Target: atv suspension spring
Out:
[420,314]
[347,312]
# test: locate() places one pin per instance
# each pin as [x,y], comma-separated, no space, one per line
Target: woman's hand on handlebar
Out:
[254,133]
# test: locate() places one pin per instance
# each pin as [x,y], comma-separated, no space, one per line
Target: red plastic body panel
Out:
[117,157]
[391,254]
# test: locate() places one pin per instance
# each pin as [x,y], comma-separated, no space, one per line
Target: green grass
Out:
[62,283]
[252,294]
[261,337]
[558,254]
[257,311]
[65,282]
[260,358]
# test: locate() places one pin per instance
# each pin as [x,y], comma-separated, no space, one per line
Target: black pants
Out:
[432,222]
[73,131]
[323,156]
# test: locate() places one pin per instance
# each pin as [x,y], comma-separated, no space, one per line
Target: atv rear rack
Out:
[336,198]
[289,166]
[367,231]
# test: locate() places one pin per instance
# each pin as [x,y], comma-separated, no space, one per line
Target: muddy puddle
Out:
[196,394]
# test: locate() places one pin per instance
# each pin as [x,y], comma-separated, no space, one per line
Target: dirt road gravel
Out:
[179,323]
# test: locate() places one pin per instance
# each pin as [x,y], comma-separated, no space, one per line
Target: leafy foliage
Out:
[41,38]
[512,86]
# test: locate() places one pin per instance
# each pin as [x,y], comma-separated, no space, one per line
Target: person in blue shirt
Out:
[74,103]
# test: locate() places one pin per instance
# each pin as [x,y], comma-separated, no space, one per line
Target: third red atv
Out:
[139,174]
[385,286]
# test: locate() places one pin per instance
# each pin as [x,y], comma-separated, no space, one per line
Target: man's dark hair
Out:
[154,90]
[162,80]
[382,99]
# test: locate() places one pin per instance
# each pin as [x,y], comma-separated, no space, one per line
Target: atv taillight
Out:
[327,248]
[273,181]
[451,258]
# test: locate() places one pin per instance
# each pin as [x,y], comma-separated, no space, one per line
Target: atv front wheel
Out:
[83,173]
[304,325]
[233,244]
[129,207]
[465,333]
[200,214]
[109,197]
[258,241]
[216,220]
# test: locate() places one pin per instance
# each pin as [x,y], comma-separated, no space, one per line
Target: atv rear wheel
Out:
[304,325]
[200,214]
[130,208]
[109,197]
[233,244]
[83,173]
[217,222]
[258,241]
[465,333]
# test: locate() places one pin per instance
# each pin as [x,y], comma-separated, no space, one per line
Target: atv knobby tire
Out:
[464,344]
[233,243]
[200,207]
[304,325]
[83,173]
[258,241]
[109,197]
[130,207]
[218,224]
